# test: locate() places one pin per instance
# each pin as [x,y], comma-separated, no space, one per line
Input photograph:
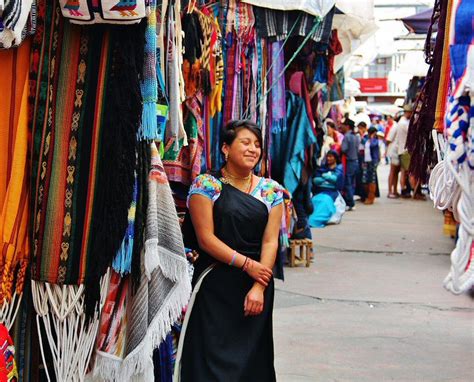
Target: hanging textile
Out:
[14,182]
[419,141]
[149,86]
[163,291]
[86,102]
[460,134]
[104,11]
[289,146]
[315,8]
[17,21]
[278,103]
[277,25]
[8,371]
[184,165]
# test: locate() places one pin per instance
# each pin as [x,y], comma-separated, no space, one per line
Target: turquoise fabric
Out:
[324,208]
[288,146]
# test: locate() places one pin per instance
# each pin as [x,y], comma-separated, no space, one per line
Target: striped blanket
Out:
[14,245]
[86,103]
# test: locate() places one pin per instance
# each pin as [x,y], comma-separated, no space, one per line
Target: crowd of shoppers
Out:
[347,168]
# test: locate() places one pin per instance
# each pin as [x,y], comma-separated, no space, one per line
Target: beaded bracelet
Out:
[233,258]
[246,264]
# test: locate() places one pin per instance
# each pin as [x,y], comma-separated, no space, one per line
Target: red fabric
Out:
[334,49]
[299,87]
[8,372]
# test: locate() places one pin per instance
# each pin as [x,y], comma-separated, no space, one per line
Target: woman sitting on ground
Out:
[327,183]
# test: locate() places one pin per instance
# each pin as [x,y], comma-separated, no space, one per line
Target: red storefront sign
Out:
[373,85]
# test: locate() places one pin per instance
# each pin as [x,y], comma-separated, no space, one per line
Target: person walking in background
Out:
[388,127]
[392,154]
[371,161]
[350,149]
[406,182]
[359,189]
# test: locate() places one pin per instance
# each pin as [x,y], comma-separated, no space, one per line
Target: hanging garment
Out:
[184,165]
[419,142]
[17,21]
[175,128]
[149,85]
[14,183]
[279,25]
[104,11]
[278,102]
[289,146]
[315,8]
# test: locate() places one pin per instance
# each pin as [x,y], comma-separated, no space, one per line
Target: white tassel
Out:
[151,260]
[9,310]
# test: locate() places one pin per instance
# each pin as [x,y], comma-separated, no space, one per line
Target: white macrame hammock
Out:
[452,187]
[61,315]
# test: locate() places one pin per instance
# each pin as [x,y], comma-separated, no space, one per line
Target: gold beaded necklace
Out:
[227,179]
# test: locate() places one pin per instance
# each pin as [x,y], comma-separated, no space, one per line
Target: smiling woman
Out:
[227,334]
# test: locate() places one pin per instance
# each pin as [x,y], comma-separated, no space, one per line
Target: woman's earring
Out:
[226,156]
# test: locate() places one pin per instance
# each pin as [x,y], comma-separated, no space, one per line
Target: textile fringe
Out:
[139,360]
[9,310]
[123,261]
[149,128]
[173,267]
[70,334]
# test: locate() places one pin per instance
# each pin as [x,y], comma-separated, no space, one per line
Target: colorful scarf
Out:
[14,186]
[277,82]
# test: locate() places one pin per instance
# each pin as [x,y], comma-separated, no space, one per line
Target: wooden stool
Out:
[304,247]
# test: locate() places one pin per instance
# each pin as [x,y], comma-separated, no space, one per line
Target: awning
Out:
[419,23]
[355,25]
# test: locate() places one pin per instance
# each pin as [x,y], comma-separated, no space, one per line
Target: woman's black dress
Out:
[220,343]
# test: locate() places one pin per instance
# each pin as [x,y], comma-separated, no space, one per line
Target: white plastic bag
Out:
[340,205]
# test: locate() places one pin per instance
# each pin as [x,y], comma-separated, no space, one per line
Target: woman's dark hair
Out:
[335,155]
[231,129]
[372,130]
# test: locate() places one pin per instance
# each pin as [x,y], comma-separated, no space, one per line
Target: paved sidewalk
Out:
[372,306]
